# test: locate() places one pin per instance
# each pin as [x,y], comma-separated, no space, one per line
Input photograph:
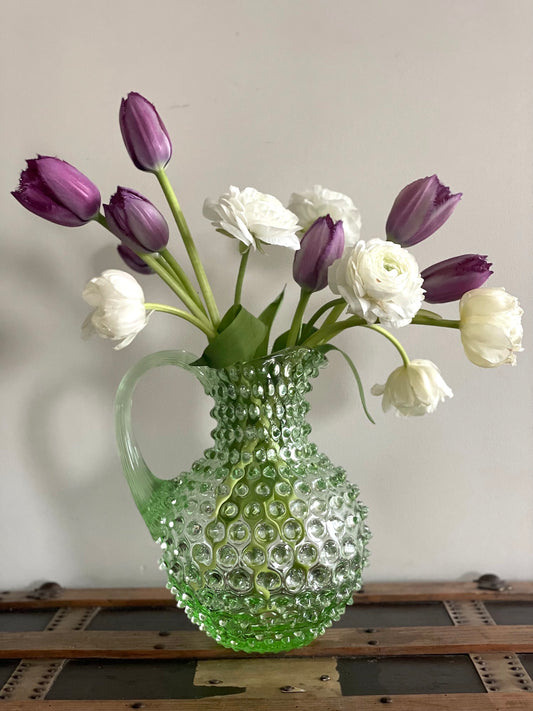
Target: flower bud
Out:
[58,192]
[133,261]
[450,279]
[136,222]
[491,327]
[144,134]
[118,301]
[321,245]
[414,389]
[419,210]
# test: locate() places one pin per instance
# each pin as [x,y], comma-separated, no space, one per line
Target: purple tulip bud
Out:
[136,222]
[419,210]
[144,133]
[321,245]
[450,279]
[56,191]
[133,261]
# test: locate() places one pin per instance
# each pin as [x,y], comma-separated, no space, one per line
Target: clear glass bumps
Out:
[263,539]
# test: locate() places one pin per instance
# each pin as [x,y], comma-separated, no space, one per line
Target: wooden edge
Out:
[338,642]
[418,702]
[52,595]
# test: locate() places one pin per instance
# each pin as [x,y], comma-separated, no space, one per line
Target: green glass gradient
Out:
[264,539]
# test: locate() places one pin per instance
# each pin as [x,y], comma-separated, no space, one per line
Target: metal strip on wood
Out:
[33,678]
[498,671]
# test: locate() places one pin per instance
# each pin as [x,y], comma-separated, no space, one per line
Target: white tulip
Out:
[118,301]
[414,389]
[491,326]
[318,202]
[378,279]
[253,218]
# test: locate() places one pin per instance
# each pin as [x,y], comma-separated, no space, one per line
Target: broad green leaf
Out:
[267,317]
[237,342]
[329,347]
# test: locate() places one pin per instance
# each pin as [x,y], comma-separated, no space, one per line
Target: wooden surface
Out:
[373,593]
[413,702]
[461,646]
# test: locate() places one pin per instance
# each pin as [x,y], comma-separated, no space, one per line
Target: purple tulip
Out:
[144,133]
[450,279]
[133,261]
[321,245]
[419,210]
[56,191]
[136,222]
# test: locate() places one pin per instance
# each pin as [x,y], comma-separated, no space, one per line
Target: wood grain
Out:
[341,642]
[297,702]
[519,591]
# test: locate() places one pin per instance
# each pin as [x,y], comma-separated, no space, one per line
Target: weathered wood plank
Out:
[335,642]
[296,702]
[520,591]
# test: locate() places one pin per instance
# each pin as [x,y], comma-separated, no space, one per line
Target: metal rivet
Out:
[325,677]
[386,700]
[291,690]
[159,646]
[137,705]
[370,630]
[164,634]
[215,682]
[372,642]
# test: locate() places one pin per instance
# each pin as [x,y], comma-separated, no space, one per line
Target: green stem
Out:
[189,246]
[202,325]
[322,310]
[325,334]
[240,277]
[334,314]
[395,342]
[444,323]
[175,285]
[101,220]
[182,276]
[296,325]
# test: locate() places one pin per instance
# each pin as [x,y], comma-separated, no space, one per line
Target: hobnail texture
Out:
[264,539]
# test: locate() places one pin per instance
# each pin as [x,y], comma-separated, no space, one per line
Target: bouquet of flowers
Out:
[375,284]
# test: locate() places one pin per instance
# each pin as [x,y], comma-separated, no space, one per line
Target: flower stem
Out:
[202,325]
[444,323]
[189,246]
[296,325]
[175,285]
[240,276]
[395,342]
[325,334]
[322,310]
[183,278]
[334,314]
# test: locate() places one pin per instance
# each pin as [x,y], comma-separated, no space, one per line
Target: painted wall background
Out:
[360,97]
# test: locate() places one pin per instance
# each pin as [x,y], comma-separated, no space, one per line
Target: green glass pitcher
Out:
[263,539]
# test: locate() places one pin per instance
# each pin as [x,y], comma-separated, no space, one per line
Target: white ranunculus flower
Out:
[318,202]
[118,302]
[378,279]
[253,217]
[414,389]
[491,326]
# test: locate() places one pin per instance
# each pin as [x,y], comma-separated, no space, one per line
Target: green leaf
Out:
[240,334]
[281,341]
[267,317]
[329,347]
[428,314]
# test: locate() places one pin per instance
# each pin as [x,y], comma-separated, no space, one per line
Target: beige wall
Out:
[360,96]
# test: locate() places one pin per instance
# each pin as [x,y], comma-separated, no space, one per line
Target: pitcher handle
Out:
[141,480]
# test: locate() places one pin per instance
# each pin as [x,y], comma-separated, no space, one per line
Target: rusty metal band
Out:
[498,671]
[33,678]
